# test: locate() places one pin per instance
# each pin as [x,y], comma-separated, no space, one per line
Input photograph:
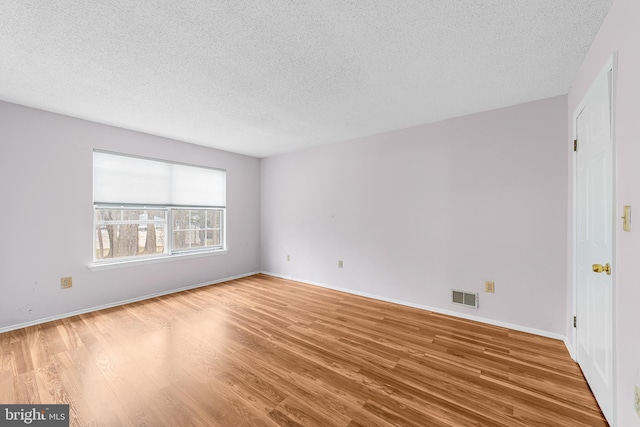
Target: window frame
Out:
[168,250]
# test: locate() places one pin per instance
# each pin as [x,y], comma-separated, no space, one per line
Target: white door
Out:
[594,241]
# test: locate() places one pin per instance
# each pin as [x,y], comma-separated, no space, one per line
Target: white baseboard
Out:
[507,325]
[119,303]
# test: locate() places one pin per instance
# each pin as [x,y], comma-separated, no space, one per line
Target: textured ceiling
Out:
[268,77]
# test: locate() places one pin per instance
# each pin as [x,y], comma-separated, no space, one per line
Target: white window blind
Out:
[126,179]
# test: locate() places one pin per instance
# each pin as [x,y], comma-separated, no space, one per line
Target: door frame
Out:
[611,65]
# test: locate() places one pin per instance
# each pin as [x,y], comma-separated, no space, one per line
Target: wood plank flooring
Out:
[262,351]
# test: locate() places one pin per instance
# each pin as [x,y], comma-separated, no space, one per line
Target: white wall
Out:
[620,32]
[416,212]
[46,216]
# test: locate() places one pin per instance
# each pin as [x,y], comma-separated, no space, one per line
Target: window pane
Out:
[213,238]
[213,218]
[180,219]
[187,239]
[198,219]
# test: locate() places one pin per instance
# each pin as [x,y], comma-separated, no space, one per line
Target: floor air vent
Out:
[464,298]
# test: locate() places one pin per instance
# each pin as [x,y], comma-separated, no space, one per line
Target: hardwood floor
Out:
[262,351]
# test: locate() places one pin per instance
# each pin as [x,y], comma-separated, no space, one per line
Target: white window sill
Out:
[98,266]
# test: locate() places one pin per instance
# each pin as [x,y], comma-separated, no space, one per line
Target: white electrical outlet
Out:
[340,264]
[288,257]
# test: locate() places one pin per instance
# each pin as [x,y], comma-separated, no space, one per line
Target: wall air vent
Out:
[468,299]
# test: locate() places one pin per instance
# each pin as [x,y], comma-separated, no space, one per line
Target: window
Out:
[146,208]
[196,228]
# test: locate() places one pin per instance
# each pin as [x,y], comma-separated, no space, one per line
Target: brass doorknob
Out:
[599,268]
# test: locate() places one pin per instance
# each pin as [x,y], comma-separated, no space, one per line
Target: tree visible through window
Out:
[129,232]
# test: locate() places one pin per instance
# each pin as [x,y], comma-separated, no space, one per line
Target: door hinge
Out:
[575,321]
[575,145]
